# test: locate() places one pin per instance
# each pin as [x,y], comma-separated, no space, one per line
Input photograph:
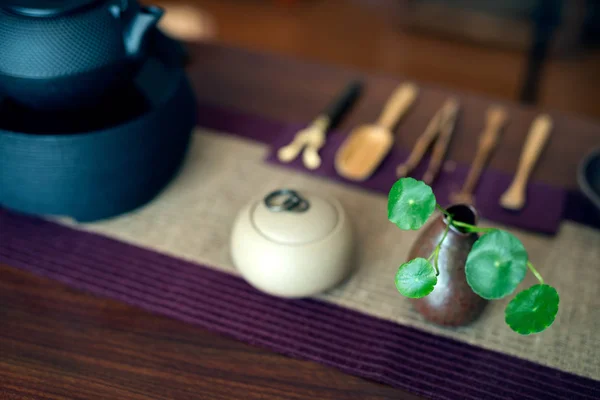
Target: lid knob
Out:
[286,200]
[285,216]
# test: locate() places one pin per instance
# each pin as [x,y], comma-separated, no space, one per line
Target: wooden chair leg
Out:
[546,20]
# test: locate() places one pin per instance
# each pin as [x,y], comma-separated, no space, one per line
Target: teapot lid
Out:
[287,217]
[44,8]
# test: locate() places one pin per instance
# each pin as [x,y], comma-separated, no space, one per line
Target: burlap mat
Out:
[192,219]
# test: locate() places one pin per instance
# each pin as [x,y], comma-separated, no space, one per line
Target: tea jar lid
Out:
[44,8]
[288,217]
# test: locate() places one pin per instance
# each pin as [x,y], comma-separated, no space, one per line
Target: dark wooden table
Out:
[60,343]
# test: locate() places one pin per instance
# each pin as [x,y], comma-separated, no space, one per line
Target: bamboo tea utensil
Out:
[367,145]
[312,138]
[515,196]
[439,130]
[495,120]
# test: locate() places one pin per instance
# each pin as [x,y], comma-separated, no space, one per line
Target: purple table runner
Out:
[358,344]
[259,129]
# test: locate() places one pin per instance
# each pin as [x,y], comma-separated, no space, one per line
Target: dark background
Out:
[541,52]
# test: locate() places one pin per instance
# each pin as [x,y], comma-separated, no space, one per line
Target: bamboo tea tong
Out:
[311,139]
[440,130]
[496,118]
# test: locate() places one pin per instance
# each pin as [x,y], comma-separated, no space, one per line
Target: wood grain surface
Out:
[57,343]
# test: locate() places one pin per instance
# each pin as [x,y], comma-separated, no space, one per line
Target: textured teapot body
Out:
[452,302]
[69,57]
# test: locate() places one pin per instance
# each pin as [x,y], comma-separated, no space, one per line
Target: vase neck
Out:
[463,213]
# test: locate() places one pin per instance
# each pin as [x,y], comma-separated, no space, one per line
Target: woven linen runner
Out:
[172,257]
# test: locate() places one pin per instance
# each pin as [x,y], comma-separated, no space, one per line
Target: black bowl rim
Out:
[175,75]
[582,180]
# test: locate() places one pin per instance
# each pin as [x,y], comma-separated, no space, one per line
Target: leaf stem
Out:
[435,261]
[443,210]
[446,231]
[534,272]
[471,228]
[436,251]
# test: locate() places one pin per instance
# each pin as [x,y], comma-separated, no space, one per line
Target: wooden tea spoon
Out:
[495,119]
[367,145]
[514,197]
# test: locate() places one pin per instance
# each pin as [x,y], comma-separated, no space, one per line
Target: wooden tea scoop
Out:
[514,197]
[495,119]
[439,130]
[367,145]
[310,139]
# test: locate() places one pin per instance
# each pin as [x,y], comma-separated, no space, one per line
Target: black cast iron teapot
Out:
[67,53]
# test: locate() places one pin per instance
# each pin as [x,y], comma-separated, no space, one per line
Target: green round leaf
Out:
[415,278]
[532,310]
[496,265]
[410,203]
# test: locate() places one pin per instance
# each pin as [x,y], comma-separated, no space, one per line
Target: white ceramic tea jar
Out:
[292,244]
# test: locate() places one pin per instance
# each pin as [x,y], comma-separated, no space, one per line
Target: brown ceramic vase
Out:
[452,302]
